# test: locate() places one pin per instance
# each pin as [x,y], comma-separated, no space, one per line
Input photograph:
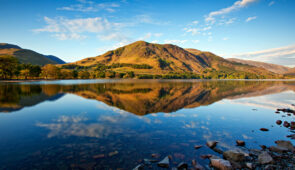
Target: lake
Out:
[110,124]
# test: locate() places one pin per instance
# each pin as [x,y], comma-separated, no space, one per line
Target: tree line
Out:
[10,68]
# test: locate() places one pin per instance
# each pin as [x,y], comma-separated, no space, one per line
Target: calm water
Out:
[106,124]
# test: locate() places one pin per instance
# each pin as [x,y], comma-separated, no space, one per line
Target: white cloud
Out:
[195,41]
[90,6]
[193,31]
[225,38]
[282,55]
[63,28]
[175,41]
[250,18]
[211,17]
[195,22]
[150,35]
[271,3]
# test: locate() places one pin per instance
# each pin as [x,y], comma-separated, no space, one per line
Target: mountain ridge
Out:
[28,56]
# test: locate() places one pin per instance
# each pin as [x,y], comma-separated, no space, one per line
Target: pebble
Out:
[221,164]
[211,144]
[264,158]
[240,143]
[264,129]
[198,146]
[164,163]
[182,165]
[279,122]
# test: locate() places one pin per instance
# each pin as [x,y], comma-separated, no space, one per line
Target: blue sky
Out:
[260,30]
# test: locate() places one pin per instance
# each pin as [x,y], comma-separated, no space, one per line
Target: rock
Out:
[234,155]
[197,166]
[113,153]
[211,144]
[198,146]
[285,144]
[249,165]
[208,156]
[217,150]
[264,158]
[292,124]
[279,122]
[98,156]
[277,112]
[139,167]
[286,124]
[164,163]
[263,147]
[264,129]
[155,155]
[240,143]
[221,164]
[291,136]
[278,149]
[182,165]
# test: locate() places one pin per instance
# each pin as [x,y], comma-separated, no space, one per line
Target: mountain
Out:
[271,67]
[28,56]
[165,58]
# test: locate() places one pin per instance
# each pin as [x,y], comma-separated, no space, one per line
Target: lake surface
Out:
[103,124]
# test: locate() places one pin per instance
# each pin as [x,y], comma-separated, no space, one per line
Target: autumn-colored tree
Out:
[66,74]
[84,74]
[50,71]
[25,73]
[8,66]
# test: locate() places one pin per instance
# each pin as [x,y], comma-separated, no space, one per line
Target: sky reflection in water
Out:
[116,124]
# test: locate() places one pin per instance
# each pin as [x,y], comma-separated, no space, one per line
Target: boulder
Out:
[197,166]
[278,149]
[286,124]
[264,129]
[285,144]
[164,163]
[264,158]
[211,144]
[234,155]
[221,164]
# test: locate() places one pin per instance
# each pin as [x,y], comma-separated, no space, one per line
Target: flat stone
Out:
[211,144]
[234,155]
[221,164]
[182,165]
[139,167]
[164,163]
[264,158]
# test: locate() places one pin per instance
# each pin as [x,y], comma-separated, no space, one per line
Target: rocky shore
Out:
[279,156]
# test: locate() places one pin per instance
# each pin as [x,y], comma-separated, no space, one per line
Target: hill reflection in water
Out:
[140,97]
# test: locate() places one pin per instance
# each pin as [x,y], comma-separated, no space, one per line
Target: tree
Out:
[25,73]
[84,74]
[66,74]
[8,66]
[50,71]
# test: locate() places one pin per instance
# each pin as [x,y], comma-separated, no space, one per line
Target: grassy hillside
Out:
[144,58]
[270,67]
[28,56]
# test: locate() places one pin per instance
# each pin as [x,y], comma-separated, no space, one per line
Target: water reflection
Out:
[117,124]
[141,97]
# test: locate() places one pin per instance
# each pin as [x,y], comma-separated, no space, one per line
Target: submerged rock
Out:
[221,164]
[286,124]
[211,144]
[197,166]
[240,143]
[164,163]
[264,158]
[234,155]
[264,129]
[198,146]
[279,122]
